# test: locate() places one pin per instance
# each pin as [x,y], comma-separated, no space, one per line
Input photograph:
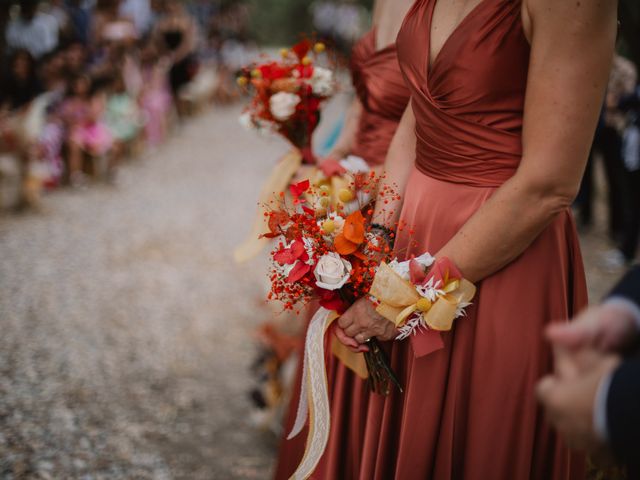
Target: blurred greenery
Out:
[282,22]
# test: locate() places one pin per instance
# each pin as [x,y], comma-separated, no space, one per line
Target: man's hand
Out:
[569,396]
[610,327]
[360,323]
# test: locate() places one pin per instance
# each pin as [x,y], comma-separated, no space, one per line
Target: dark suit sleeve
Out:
[623,414]
[629,287]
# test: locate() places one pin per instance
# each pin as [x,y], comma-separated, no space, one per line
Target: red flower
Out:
[273,71]
[297,189]
[288,256]
[331,300]
[301,49]
[305,71]
[277,220]
[300,269]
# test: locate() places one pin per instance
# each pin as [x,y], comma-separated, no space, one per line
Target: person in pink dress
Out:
[82,113]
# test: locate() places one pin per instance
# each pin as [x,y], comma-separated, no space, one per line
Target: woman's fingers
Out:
[346,319]
[353,330]
[345,339]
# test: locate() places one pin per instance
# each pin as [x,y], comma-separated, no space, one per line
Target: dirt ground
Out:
[125,326]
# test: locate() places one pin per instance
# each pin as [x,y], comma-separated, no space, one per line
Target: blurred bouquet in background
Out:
[288,95]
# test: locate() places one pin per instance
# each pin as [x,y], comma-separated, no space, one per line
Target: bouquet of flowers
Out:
[329,251]
[288,95]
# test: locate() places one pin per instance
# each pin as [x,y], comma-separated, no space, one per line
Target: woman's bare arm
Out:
[398,165]
[572,45]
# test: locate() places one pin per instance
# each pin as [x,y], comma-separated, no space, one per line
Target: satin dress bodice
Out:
[381,89]
[469,104]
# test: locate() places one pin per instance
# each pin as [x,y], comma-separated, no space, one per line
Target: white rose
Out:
[322,82]
[283,105]
[332,271]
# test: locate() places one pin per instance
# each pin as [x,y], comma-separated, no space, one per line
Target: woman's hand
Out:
[330,166]
[361,323]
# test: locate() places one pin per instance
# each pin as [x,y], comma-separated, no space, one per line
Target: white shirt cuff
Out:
[633,309]
[600,421]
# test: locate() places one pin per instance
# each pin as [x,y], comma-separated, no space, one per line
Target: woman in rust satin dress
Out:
[500,122]
[381,99]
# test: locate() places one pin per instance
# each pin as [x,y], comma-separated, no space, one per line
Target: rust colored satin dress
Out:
[469,410]
[384,96]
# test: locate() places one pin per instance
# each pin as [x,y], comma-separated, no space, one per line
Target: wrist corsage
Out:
[421,293]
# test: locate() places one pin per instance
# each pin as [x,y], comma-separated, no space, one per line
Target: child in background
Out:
[155,98]
[82,113]
[122,116]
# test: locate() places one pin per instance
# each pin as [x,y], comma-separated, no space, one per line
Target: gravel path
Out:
[125,328]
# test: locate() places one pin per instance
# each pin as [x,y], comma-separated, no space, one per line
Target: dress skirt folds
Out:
[468,411]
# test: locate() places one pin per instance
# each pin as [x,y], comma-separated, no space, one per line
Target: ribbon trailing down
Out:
[314,395]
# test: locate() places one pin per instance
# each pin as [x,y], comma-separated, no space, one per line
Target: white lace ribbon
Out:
[314,395]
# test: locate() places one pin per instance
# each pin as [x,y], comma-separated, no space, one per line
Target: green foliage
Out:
[279,22]
[282,22]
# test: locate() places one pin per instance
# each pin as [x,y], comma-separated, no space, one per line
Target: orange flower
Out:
[352,236]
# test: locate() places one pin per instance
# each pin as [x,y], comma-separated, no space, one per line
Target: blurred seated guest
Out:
[53,71]
[75,57]
[80,20]
[46,151]
[21,84]
[122,116]
[34,31]
[82,113]
[155,97]
[139,11]
[58,10]
[593,397]
[109,26]
[176,38]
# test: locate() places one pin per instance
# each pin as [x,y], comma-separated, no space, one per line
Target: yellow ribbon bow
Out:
[399,299]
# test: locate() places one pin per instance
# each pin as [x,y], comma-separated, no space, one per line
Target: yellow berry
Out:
[424,304]
[328,226]
[242,81]
[284,52]
[325,202]
[255,73]
[325,189]
[345,195]
[319,47]
[306,61]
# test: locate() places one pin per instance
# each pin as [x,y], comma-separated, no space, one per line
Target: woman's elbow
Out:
[552,196]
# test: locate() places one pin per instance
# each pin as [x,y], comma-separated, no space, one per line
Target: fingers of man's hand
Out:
[576,334]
